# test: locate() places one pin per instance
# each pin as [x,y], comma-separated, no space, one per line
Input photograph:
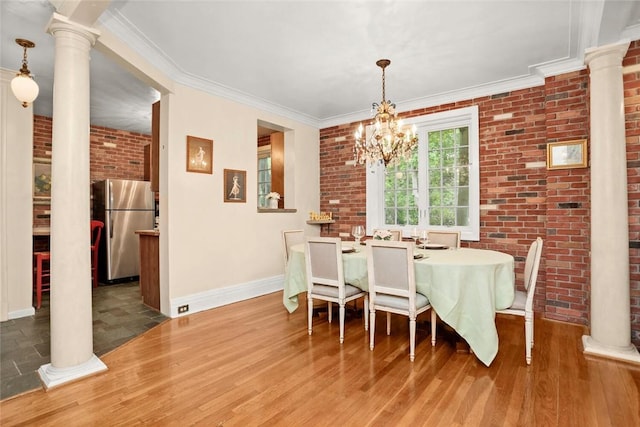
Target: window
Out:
[264,174]
[438,187]
[275,148]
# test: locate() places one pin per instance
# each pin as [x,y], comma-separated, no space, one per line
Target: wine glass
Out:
[424,237]
[357,231]
[415,233]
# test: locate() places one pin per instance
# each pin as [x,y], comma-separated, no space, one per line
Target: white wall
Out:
[16,203]
[208,246]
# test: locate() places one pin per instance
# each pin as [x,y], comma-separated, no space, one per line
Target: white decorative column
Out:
[71,316]
[610,296]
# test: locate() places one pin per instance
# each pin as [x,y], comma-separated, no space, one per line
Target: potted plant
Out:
[272,200]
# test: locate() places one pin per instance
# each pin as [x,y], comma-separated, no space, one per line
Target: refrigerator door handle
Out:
[110,194]
[111,226]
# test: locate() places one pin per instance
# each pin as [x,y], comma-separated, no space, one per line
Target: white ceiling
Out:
[314,61]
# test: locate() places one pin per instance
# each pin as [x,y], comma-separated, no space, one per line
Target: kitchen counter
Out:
[148,232]
[150,267]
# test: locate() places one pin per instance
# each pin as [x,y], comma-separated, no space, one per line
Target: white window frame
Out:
[462,117]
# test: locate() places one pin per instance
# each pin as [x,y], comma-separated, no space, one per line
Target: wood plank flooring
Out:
[252,364]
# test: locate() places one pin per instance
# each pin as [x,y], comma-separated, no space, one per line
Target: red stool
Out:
[96,232]
[41,270]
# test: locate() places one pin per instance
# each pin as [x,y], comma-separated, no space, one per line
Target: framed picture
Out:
[199,155]
[42,181]
[567,154]
[235,190]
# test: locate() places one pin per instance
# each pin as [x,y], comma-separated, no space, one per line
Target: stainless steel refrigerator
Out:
[124,206]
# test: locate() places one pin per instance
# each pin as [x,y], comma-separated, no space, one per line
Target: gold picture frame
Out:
[42,181]
[199,155]
[235,186]
[567,154]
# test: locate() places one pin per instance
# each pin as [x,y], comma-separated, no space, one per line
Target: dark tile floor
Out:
[118,316]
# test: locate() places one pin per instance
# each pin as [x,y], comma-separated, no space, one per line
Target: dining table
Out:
[465,287]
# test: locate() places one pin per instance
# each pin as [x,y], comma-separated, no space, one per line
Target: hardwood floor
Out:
[251,364]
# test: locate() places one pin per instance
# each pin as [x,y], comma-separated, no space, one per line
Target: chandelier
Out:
[23,86]
[389,141]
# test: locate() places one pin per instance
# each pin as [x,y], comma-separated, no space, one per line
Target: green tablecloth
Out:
[465,288]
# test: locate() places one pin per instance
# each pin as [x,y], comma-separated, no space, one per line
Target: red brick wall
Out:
[568,210]
[520,199]
[507,180]
[632,120]
[113,154]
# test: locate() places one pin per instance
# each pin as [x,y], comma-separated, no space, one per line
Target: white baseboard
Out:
[228,295]
[25,312]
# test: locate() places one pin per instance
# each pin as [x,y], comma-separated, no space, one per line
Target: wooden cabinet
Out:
[150,267]
[147,163]
[277,166]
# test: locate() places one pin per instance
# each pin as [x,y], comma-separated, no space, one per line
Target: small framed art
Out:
[567,154]
[42,181]
[199,155]
[235,186]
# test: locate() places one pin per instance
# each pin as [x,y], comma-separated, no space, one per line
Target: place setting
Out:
[423,237]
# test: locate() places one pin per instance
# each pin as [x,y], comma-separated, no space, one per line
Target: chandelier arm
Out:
[389,141]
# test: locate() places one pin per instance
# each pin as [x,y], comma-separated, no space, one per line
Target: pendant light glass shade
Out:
[25,89]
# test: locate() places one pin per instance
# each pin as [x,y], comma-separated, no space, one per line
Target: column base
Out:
[52,377]
[594,348]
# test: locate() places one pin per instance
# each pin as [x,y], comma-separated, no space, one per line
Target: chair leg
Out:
[372,327]
[388,323]
[329,312]
[532,334]
[433,327]
[412,339]
[528,336]
[309,315]
[366,313]
[95,271]
[342,311]
[38,281]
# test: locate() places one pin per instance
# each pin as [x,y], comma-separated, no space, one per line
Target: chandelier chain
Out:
[384,98]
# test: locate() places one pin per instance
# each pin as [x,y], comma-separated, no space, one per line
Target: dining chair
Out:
[523,301]
[290,238]
[392,288]
[325,279]
[96,233]
[449,238]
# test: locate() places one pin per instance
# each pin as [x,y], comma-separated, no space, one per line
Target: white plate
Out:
[435,246]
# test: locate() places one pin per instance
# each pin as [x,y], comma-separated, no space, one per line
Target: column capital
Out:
[616,51]
[62,23]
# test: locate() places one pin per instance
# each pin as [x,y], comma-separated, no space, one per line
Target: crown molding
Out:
[125,30]
[588,16]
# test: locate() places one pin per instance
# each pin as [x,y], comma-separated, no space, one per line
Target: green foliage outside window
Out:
[264,179]
[401,192]
[447,177]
